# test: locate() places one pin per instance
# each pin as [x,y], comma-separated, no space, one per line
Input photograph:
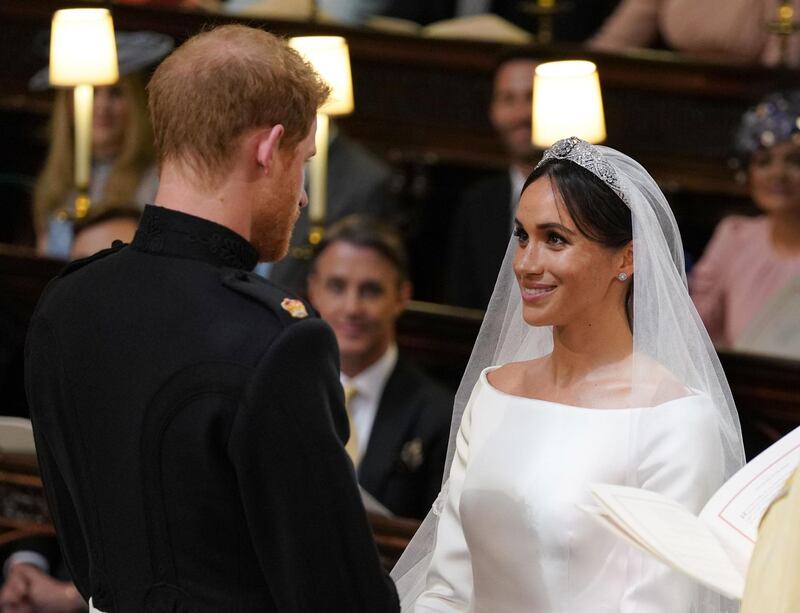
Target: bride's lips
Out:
[536,292]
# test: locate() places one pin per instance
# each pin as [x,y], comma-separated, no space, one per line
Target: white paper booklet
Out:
[371,504]
[715,547]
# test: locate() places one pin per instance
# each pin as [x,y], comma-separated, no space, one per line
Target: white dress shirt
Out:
[370,384]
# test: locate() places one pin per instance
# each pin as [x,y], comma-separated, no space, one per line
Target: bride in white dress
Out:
[600,380]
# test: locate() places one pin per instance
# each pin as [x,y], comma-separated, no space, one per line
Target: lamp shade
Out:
[330,57]
[82,48]
[567,102]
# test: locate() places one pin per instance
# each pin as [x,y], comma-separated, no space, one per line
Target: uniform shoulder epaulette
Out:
[77,264]
[287,308]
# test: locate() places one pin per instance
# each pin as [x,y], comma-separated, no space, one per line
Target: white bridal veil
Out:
[667,335]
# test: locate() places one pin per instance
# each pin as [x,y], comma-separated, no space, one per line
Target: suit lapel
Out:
[396,411]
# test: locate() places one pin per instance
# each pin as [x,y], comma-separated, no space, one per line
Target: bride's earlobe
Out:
[627,263]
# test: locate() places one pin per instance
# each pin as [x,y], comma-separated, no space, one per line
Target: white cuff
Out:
[27,557]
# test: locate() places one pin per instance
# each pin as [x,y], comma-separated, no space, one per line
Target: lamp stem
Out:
[319,173]
[83,102]
[786,29]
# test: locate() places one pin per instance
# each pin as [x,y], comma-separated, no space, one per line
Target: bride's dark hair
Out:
[599,214]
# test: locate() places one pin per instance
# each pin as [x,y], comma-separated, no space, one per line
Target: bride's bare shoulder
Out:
[510,377]
[658,384]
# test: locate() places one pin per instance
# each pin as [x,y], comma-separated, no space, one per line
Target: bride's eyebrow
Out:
[555,226]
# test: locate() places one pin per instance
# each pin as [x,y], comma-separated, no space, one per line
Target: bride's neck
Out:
[583,347]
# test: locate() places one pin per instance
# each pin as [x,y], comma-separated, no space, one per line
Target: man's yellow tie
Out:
[351,447]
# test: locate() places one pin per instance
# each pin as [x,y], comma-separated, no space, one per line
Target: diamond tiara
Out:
[585,155]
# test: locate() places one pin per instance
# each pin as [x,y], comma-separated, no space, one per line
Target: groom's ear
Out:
[626,259]
[266,146]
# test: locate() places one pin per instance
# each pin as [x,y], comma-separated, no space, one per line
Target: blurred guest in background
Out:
[28,588]
[101,227]
[750,259]
[724,28]
[484,218]
[573,21]
[123,160]
[400,418]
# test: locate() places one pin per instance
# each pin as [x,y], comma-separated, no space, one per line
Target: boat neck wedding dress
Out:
[518,541]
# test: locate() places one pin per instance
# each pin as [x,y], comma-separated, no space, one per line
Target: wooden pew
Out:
[767,395]
[392,536]
[23,510]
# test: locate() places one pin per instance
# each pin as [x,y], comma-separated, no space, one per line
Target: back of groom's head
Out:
[220,84]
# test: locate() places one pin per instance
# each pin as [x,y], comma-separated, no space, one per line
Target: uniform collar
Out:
[168,232]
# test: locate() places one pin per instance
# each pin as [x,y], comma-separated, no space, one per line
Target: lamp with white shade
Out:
[567,102]
[83,54]
[330,57]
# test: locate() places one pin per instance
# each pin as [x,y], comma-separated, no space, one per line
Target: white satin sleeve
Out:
[448,584]
[682,458]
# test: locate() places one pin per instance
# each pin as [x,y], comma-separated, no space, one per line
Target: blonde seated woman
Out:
[123,167]
[591,366]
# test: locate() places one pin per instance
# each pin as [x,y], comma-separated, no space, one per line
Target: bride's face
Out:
[564,277]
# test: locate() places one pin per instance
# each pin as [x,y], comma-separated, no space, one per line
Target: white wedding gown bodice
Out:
[511,537]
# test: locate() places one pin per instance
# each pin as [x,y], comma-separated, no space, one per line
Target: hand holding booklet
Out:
[715,547]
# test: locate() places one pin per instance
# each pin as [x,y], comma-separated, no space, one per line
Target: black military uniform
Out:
[186,416]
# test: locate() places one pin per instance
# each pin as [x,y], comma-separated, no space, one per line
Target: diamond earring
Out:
[623,276]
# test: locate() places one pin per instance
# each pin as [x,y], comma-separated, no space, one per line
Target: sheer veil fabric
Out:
[670,344]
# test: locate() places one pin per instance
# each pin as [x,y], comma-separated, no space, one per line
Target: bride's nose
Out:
[528,260]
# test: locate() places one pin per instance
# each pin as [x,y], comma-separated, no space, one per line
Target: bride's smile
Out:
[536,291]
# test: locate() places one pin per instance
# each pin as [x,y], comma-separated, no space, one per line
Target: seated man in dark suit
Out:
[400,417]
[485,215]
[188,415]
